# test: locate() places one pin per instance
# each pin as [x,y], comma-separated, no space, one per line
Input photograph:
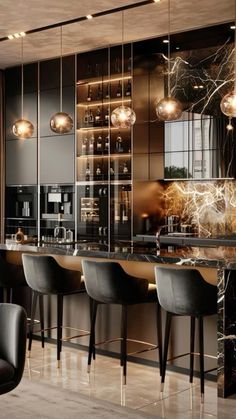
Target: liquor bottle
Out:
[106,145]
[98,118]
[119,90]
[99,144]
[107,117]
[116,213]
[124,212]
[119,144]
[125,169]
[86,117]
[84,145]
[112,171]
[91,117]
[99,92]
[89,95]
[128,89]
[98,170]
[91,144]
[87,172]
[107,94]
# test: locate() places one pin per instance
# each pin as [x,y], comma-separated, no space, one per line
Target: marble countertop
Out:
[214,257]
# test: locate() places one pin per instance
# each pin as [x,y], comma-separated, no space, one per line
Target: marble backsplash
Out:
[209,206]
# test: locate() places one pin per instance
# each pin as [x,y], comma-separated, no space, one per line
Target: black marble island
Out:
[221,258]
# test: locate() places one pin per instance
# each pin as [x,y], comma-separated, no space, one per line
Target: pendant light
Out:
[61,122]
[22,128]
[123,116]
[228,102]
[168,108]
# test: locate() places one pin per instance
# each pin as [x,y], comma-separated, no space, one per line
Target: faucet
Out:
[159,230]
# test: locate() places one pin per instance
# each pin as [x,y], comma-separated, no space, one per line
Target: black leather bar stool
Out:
[46,277]
[12,346]
[11,276]
[184,292]
[108,283]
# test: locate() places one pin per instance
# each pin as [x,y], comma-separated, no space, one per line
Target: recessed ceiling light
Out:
[16,35]
[156,1]
[89,16]
[10,37]
[165,41]
[22,33]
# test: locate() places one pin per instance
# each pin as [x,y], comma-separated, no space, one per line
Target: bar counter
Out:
[221,261]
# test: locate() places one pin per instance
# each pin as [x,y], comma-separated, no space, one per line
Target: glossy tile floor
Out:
[142,391]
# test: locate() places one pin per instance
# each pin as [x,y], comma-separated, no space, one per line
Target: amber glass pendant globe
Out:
[168,109]
[123,117]
[61,123]
[23,129]
[228,104]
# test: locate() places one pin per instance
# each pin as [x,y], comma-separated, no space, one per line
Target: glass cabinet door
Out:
[104,152]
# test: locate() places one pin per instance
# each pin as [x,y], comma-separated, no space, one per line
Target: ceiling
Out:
[143,22]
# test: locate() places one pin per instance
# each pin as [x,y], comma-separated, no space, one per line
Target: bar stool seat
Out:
[46,277]
[184,292]
[108,283]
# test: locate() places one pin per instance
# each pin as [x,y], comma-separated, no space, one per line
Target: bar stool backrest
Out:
[185,292]
[12,344]
[45,276]
[108,283]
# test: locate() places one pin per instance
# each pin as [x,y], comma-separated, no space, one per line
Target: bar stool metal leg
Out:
[59,327]
[92,333]
[41,314]
[91,316]
[201,351]
[32,317]
[192,341]
[159,335]
[124,341]
[166,344]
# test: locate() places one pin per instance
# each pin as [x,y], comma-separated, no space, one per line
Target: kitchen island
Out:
[217,265]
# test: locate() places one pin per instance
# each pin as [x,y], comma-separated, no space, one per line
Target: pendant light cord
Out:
[22,77]
[169,48]
[122,58]
[61,70]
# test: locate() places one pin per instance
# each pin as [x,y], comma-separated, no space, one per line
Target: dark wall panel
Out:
[21,162]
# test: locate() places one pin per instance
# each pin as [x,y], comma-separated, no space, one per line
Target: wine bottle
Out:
[107,94]
[106,145]
[84,145]
[119,144]
[116,213]
[124,213]
[128,89]
[112,171]
[89,95]
[107,117]
[86,117]
[91,144]
[98,118]
[98,170]
[99,92]
[99,144]
[87,172]
[125,168]
[119,90]
[91,117]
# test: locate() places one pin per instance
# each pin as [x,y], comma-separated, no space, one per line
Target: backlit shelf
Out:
[102,103]
[104,156]
[99,80]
